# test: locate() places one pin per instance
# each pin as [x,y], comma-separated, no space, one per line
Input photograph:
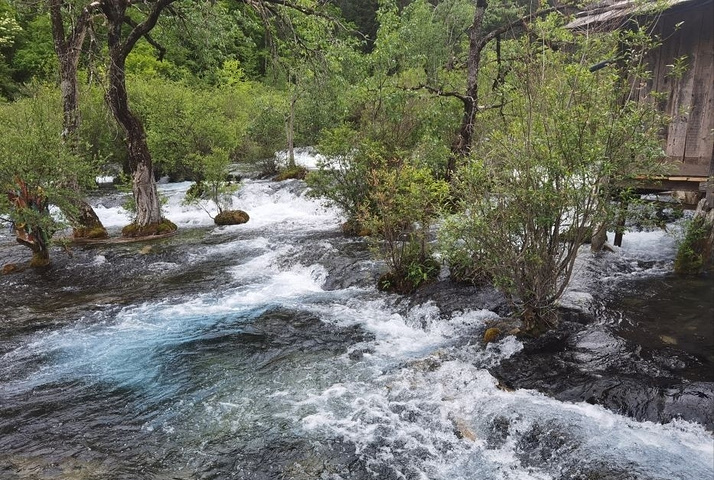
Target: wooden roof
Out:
[613,14]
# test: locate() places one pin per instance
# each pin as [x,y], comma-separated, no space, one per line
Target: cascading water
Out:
[234,352]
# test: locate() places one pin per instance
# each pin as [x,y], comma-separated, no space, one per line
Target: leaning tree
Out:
[120,42]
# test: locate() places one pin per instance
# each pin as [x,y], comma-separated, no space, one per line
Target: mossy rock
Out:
[164,227]
[491,335]
[297,172]
[231,217]
[96,232]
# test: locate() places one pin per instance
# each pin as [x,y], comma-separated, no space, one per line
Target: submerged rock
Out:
[590,363]
[452,297]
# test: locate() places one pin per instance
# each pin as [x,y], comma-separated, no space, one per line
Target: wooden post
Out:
[710,182]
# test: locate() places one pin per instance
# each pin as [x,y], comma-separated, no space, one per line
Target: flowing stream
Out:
[263,351]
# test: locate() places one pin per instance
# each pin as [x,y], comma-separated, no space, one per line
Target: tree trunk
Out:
[461,146]
[83,218]
[40,252]
[36,239]
[290,131]
[146,198]
[30,234]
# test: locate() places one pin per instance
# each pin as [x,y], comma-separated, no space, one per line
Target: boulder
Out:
[231,217]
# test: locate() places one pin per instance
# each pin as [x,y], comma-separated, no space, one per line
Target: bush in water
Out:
[547,166]
[406,199]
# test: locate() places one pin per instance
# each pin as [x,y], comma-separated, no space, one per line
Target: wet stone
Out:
[498,432]
[581,363]
[542,444]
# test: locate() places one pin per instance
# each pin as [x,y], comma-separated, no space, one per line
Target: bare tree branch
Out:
[144,27]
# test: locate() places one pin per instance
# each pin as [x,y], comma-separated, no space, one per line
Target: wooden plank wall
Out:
[690,100]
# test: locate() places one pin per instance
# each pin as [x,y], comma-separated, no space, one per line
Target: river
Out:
[263,351]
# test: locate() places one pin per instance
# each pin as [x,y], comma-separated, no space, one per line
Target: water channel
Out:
[263,351]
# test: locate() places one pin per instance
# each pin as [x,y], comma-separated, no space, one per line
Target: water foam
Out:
[414,398]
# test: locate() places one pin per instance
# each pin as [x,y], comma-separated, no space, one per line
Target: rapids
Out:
[263,351]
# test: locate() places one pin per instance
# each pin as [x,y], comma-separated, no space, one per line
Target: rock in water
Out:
[231,217]
[491,335]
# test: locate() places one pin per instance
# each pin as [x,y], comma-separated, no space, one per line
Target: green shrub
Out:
[405,201]
[693,249]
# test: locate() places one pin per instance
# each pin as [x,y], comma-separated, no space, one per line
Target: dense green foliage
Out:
[404,202]
[695,250]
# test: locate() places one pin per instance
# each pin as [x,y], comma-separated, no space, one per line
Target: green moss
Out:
[162,228]
[297,172]
[167,226]
[491,335]
[95,232]
[40,260]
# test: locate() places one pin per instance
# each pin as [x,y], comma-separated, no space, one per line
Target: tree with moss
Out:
[120,42]
[68,44]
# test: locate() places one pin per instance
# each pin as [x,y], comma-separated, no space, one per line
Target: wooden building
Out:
[686,29]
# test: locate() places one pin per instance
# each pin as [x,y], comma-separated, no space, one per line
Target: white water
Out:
[399,395]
